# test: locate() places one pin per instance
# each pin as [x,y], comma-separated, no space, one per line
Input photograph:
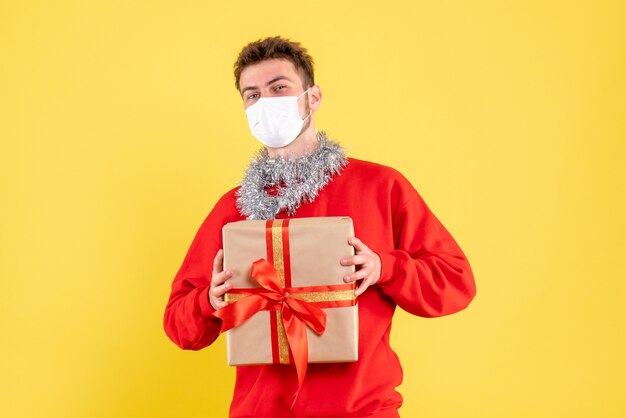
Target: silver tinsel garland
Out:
[296,181]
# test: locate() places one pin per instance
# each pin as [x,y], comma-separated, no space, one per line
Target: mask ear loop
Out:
[310,111]
[304,92]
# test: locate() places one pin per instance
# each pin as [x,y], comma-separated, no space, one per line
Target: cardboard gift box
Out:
[299,258]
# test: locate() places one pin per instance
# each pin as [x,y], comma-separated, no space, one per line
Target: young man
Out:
[404,255]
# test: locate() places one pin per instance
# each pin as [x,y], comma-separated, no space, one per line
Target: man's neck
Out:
[304,144]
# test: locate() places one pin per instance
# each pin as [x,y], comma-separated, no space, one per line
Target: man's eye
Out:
[253,96]
[280,88]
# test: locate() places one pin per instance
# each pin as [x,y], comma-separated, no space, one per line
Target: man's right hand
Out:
[219,285]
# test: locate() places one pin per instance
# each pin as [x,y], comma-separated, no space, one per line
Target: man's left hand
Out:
[368,265]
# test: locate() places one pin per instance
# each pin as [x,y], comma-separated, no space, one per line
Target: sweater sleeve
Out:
[426,273]
[188,318]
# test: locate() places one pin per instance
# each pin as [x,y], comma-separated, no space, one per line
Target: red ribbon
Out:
[297,314]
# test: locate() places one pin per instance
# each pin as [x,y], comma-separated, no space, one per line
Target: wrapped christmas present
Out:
[289,303]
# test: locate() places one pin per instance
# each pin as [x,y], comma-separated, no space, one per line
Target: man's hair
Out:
[276,47]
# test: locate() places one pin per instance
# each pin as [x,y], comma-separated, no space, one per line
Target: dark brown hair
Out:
[276,47]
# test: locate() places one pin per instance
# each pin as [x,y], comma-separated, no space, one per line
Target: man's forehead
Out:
[261,73]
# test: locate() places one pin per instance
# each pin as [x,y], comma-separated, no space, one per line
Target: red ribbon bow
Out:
[297,314]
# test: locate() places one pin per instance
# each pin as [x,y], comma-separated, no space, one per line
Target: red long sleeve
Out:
[427,274]
[188,321]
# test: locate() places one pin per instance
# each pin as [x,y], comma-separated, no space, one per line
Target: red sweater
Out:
[423,271]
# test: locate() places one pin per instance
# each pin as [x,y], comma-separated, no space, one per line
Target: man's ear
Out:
[315,97]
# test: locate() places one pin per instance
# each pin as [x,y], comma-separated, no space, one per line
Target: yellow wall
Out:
[120,127]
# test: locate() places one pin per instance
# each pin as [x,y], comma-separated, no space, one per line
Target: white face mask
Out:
[276,121]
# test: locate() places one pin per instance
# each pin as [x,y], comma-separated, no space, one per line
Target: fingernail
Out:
[343,261]
[346,278]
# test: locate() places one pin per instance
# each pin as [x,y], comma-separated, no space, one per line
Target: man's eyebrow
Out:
[245,89]
[273,80]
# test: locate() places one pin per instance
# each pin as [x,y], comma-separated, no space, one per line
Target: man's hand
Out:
[368,266]
[219,285]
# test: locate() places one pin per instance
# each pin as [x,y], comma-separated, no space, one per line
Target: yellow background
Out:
[120,127]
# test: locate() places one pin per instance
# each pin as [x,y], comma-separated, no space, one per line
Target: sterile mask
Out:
[276,121]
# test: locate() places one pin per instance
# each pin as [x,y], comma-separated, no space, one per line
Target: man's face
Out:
[269,78]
